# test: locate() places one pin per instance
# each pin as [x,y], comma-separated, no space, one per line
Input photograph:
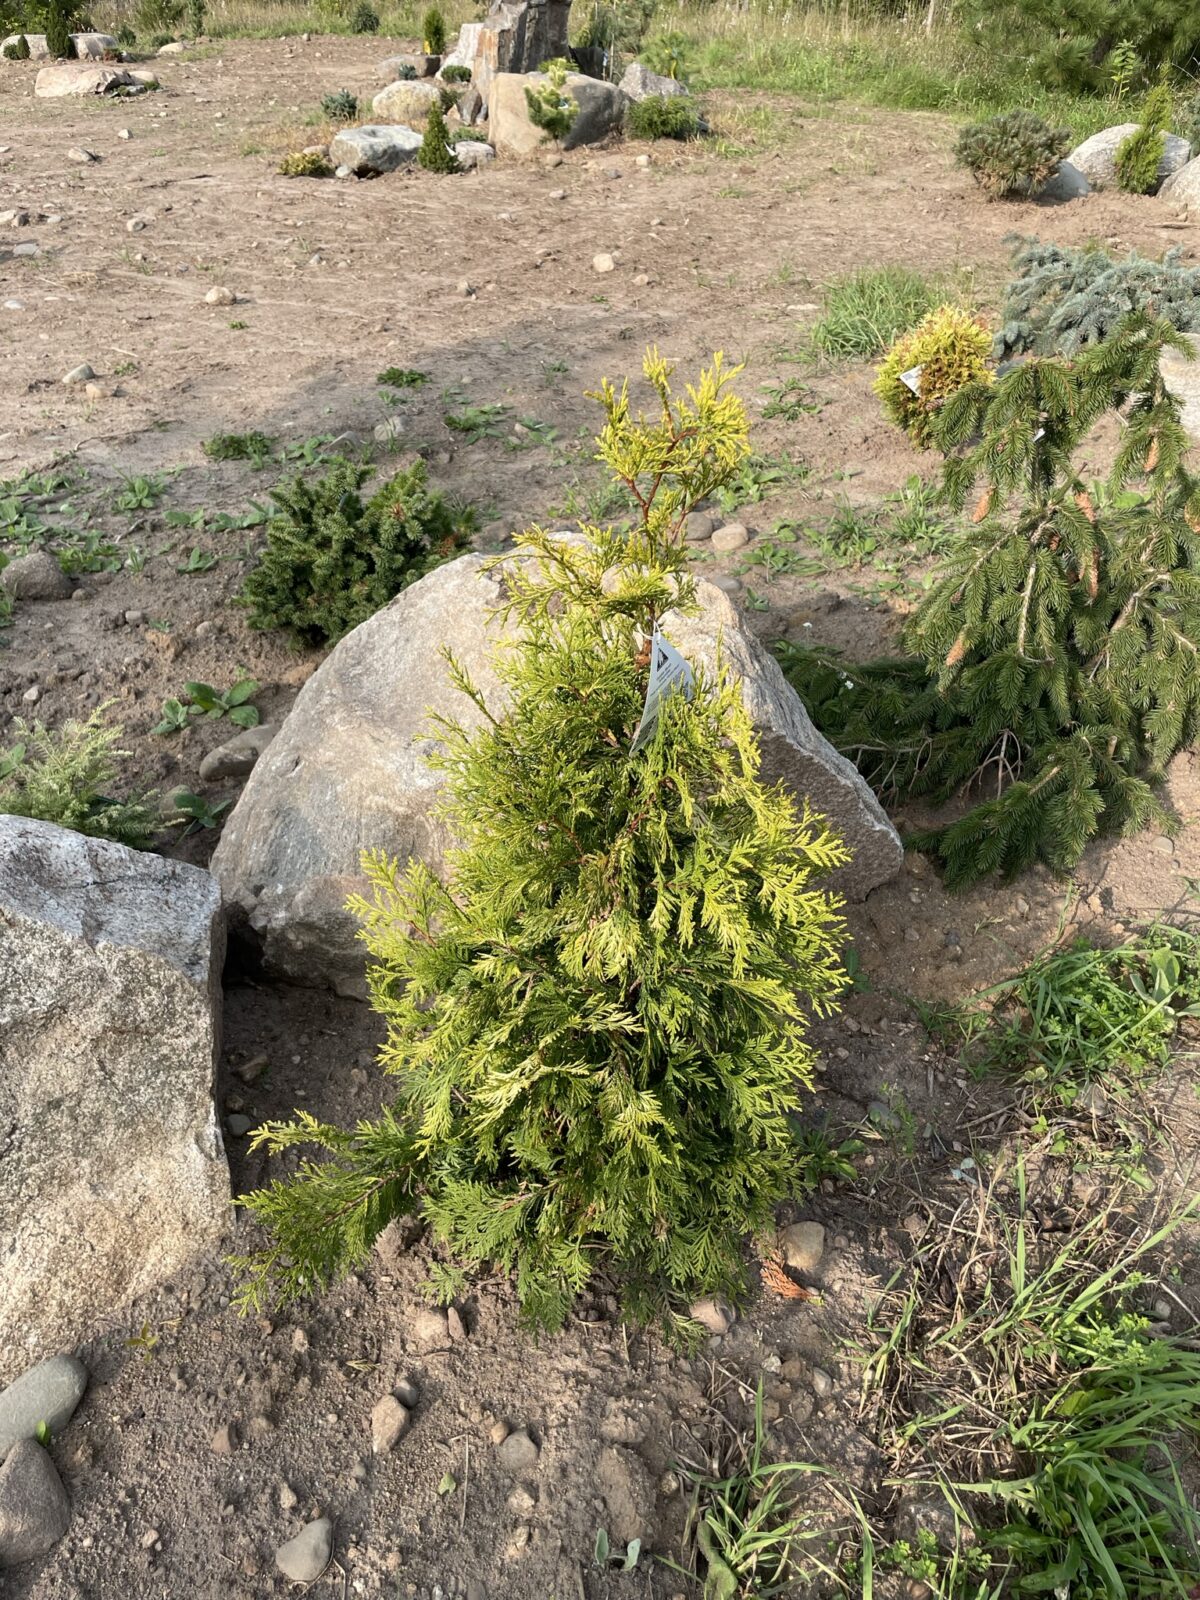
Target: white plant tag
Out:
[912,378]
[1040,434]
[668,672]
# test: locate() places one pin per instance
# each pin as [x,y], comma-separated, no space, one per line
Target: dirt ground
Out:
[486,283]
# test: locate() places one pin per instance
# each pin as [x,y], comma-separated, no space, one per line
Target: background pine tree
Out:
[597,1025]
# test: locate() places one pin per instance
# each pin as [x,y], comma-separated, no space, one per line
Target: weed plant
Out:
[63,775]
[863,313]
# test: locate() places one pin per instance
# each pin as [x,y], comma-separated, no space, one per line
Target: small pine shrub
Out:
[433,32]
[1064,297]
[668,54]
[405,73]
[19,49]
[1014,153]
[662,117]
[863,313]
[1139,155]
[332,559]
[950,347]
[436,154]
[59,18]
[126,37]
[305,164]
[364,18]
[598,1024]
[341,106]
[551,108]
[62,775]
[196,14]
[1052,671]
[456,73]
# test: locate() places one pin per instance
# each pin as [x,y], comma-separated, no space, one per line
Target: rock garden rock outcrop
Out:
[406,101]
[1096,158]
[517,36]
[76,78]
[374,148]
[112,1171]
[347,770]
[513,131]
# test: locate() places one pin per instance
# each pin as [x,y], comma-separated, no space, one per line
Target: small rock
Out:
[803,1245]
[641,279]
[455,1325]
[288,1498]
[124,133]
[139,222]
[643,160]
[552,160]
[46,1393]
[224,1441]
[406,1392]
[801,1408]
[557,194]
[14,305]
[465,287]
[429,1328]
[34,1509]
[82,156]
[81,374]
[498,1432]
[698,526]
[237,757]
[603,262]
[32,695]
[521,1501]
[219,295]
[1161,1310]
[1093,1100]
[714,1314]
[304,1558]
[518,1453]
[727,583]
[93,391]
[239,1124]
[731,537]
[389,1420]
[822,1383]
[36,576]
[1163,845]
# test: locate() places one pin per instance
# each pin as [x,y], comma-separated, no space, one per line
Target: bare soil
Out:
[336,281]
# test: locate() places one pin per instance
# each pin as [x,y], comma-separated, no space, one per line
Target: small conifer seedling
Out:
[597,1025]
[1139,156]
[551,108]
[433,32]
[436,153]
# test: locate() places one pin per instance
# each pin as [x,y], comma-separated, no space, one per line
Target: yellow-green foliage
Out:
[1139,156]
[305,164]
[951,347]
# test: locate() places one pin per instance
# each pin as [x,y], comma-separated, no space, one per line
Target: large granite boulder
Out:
[77,79]
[516,36]
[112,1172]
[374,148]
[513,131]
[408,100]
[88,46]
[639,83]
[1096,158]
[1183,185]
[348,771]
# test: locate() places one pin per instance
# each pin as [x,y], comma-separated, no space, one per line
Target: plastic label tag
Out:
[668,672]
[912,378]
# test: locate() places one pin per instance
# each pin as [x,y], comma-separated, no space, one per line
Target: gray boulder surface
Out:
[112,1172]
[347,770]
[1096,157]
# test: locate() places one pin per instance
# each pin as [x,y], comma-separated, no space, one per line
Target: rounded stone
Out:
[713,1313]
[518,1453]
[389,1421]
[36,576]
[731,537]
[304,1558]
[803,1245]
[34,1509]
[603,262]
[47,1393]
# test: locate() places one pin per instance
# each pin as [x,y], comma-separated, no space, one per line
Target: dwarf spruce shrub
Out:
[340,106]
[1139,156]
[1052,668]
[456,73]
[1064,297]
[597,1025]
[19,49]
[662,117]
[1015,153]
[436,153]
[332,558]
[60,15]
[364,18]
[950,348]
